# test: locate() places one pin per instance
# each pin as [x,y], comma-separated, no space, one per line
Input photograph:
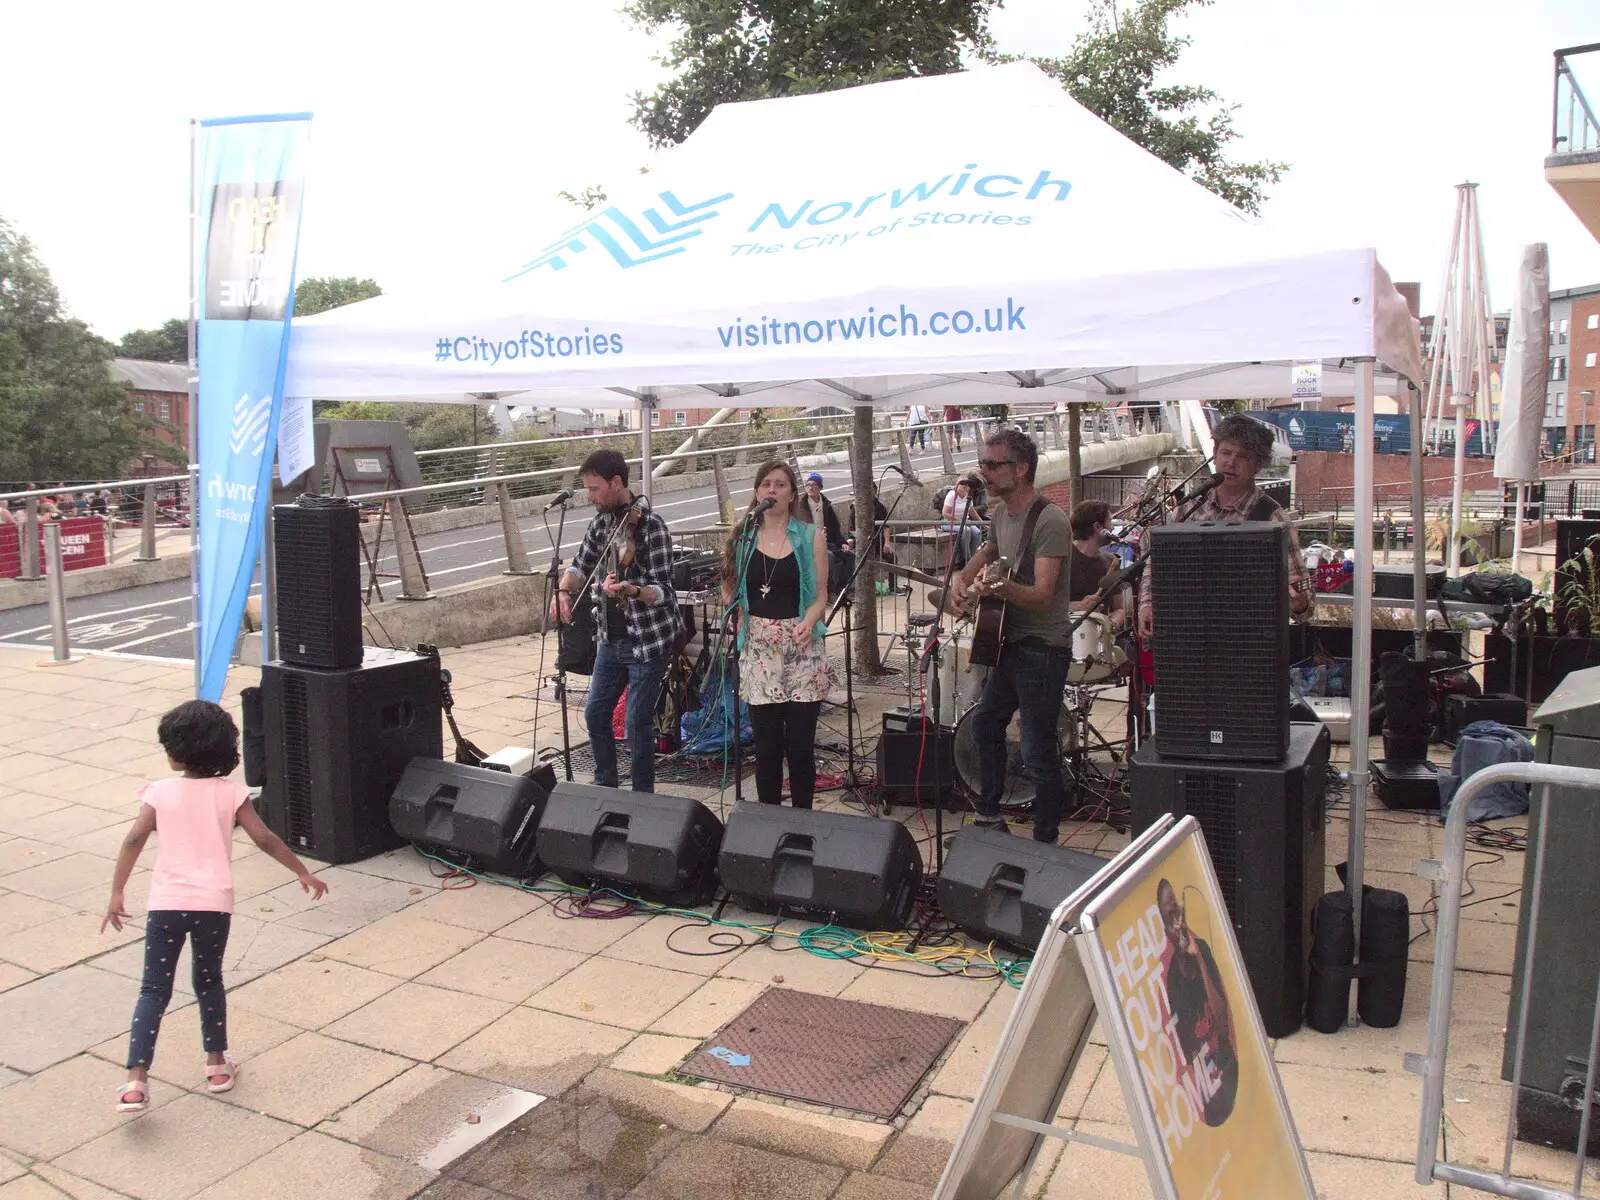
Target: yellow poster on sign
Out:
[1185,1010]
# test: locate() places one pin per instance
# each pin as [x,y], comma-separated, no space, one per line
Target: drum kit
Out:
[1097,662]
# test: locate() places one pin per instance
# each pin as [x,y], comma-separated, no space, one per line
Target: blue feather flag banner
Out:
[252,177]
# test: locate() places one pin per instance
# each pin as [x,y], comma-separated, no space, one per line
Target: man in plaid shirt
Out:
[1243,447]
[638,618]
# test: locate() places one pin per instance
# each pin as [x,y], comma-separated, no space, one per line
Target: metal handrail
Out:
[40,493]
[1579,115]
[1451,875]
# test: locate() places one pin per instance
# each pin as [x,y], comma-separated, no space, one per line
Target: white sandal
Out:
[140,1086]
[227,1070]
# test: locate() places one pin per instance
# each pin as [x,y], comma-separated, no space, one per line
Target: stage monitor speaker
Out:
[660,847]
[1222,640]
[1003,888]
[317,557]
[337,744]
[474,816]
[1264,829]
[853,870]
[906,762]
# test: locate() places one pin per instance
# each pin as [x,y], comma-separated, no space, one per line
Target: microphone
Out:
[559,498]
[762,507]
[1215,481]
[908,476]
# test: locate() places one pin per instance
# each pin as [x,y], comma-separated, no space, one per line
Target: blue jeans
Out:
[1031,677]
[615,668]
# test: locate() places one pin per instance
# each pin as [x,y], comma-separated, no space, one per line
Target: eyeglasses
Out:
[994,464]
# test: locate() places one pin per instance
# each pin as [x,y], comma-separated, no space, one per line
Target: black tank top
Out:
[781,577]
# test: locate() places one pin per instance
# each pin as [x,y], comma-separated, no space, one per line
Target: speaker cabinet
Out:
[1003,888]
[1264,828]
[337,744]
[660,847]
[906,771]
[1222,640]
[853,870]
[317,557]
[474,816]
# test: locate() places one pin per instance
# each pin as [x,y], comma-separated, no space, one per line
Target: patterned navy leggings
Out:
[164,933]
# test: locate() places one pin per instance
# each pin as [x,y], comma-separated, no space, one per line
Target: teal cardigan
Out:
[802,537]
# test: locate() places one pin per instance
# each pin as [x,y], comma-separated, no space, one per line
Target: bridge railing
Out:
[38,504]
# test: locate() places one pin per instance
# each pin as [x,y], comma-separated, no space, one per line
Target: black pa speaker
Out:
[317,557]
[337,744]
[1222,640]
[660,847]
[253,741]
[906,763]
[1003,888]
[473,816]
[854,870]
[1264,829]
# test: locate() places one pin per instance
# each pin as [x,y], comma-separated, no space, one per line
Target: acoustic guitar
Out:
[989,625]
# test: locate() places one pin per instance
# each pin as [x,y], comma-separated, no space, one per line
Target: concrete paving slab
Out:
[76,1098]
[676,943]
[705,1169]
[793,969]
[314,1167]
[563,1152]
[544,928]
[339,914]
[180,1054]
[502,969]
[61,876]
[880,1187]
[57,825]
[709,1008]
[177,1149]
[542,1052]
[418,1021]
[61,1015]
[24,854]
[19,911]
[691,1109]
[310,1077]
[1337,1110]
[68,1184]
[919,1153]
[17,808]
[1342,1177]
[423,1115]
[313,991]
[617,993]
[653,1054]
[801,1133]
[402,944]
[66,940]
[485,908]
[949,996]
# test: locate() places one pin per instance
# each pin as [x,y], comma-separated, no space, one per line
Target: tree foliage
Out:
[62,416]
[430,426]
[755,49]
[1111,70]
[589,198]
[320,293]
[168,344]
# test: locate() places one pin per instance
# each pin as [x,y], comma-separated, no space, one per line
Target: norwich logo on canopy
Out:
[626,240]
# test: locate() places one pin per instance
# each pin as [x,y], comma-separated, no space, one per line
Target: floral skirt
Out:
[773,670]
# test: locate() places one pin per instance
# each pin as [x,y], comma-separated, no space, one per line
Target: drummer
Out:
[1090,565]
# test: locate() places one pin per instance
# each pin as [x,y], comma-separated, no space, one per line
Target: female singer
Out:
[777,583]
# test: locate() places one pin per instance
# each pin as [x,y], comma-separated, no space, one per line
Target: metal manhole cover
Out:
[841,1053]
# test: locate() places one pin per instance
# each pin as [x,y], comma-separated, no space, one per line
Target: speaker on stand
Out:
[317,561]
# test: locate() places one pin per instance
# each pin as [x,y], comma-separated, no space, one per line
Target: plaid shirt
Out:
[653,628]
[1212,509]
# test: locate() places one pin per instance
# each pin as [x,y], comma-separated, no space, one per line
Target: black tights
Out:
[786,731]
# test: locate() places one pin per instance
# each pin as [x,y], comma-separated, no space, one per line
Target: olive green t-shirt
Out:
[1052,538]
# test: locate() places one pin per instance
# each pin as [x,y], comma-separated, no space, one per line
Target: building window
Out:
[164,409]
[655,418]
[1558,369]
[1593,322]
[1561,404]
[1561,332]
[682,418]
[1588,359]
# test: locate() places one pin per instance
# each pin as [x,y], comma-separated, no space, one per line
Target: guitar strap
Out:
[1024,569]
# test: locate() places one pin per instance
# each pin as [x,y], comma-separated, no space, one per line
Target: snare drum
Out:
[960,679]
[1096,656]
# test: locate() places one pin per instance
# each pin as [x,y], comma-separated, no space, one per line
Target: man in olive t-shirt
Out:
[1031,674]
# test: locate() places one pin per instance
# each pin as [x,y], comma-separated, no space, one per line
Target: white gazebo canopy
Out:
[953,238]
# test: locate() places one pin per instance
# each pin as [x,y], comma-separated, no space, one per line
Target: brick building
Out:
[161,390]
[1572,404]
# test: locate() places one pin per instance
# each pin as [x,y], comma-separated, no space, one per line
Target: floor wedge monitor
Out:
[1003,888]
[474,816]
[661,848]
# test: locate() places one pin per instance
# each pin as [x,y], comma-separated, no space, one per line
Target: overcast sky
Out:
[442,135]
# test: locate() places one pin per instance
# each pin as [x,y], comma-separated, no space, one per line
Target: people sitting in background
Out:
[7,517]
[841,559]
[958,504]
[67,505]
[47,508]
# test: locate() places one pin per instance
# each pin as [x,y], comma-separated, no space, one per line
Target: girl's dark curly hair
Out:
[200,737]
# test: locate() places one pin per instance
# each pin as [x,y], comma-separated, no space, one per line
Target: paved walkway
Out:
[394,1016]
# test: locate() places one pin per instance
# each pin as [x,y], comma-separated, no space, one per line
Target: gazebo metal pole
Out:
[1419,539]
[1360,642]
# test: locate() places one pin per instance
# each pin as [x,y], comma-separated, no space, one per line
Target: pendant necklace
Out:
[766,572]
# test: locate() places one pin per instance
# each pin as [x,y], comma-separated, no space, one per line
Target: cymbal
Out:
[912,573]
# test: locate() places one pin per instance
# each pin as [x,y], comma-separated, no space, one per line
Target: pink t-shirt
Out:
[194,843]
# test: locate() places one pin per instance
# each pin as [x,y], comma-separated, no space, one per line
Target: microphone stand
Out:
[551,577]
[932,653]
[741,563]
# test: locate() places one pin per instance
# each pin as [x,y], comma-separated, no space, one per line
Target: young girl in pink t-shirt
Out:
[191,892]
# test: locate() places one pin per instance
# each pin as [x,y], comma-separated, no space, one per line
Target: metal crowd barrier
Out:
[28,544]
[1450,873]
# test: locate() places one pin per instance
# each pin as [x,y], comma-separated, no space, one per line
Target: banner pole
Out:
[194,415]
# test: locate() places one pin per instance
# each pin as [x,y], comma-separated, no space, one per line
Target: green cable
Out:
[826,941]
